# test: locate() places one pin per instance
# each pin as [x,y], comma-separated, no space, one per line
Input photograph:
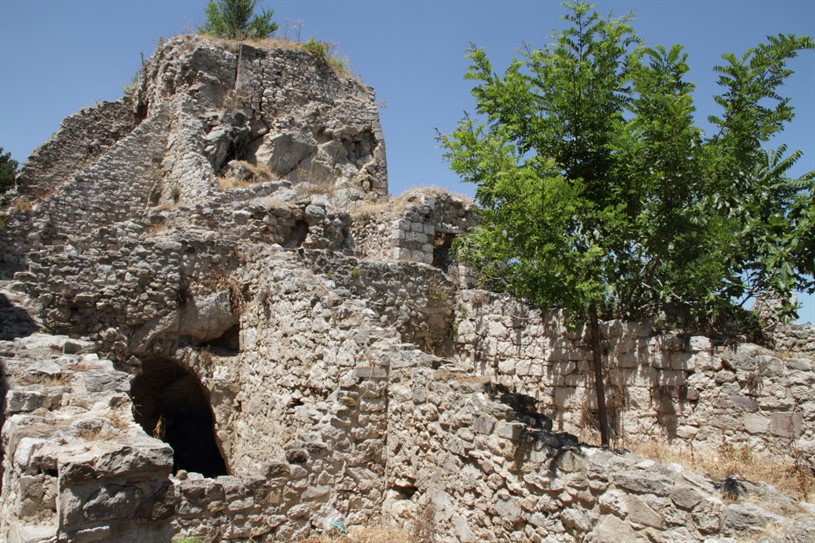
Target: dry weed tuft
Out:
[409,196]
[793,476]
[365,535]
[252,173]
[228,183]
[22,203]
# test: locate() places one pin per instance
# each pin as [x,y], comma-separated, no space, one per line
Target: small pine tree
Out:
[8,171]
[233,19]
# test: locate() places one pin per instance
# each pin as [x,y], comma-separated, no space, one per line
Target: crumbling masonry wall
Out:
[468,463]
[233,234]
[75,466]
[690,391]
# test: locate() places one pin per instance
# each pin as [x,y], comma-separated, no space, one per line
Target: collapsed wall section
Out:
[245,115]
[113,189]
[300,411]
[419,226]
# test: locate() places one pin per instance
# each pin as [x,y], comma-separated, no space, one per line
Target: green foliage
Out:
[324,53]
[8,171]
[188,540]
[597,191]
[233,19]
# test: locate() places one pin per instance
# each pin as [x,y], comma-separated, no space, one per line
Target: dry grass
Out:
[430,190]
[793,476]
[228,183]
[22,204]
[258,173]
[368,210]
[365,535]
[324,189]
[404,201]
[120,420]
[334,60]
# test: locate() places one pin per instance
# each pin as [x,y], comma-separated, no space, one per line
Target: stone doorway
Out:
[171,405]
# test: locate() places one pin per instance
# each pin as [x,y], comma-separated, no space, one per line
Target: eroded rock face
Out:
[253,348]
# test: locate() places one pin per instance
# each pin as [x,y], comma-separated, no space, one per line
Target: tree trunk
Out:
[599,384]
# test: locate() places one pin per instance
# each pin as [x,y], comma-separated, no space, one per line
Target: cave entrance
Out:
[171,405]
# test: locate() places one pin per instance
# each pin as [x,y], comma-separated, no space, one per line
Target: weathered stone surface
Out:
[228,245]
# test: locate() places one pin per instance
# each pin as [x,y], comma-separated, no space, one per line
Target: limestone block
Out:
[610,529]
[685,497]
[786,424]
[744,403]
[110,502]
[483,424]
[576,520]
[508,508]
[563,395]
[740,518]
[510,430]
[569,461]
[25,401]
[700,344]
[640,514]
[644,482]
[708,515]
[686,432]
[627,360]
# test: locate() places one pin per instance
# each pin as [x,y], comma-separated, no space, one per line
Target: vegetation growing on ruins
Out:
[235,20]
[600,194]
[8,171]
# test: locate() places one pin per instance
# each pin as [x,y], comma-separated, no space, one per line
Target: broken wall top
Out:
[238,115]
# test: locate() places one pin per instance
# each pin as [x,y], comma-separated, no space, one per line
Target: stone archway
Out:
[171,405]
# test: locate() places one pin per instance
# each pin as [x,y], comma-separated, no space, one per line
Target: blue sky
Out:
[57,56]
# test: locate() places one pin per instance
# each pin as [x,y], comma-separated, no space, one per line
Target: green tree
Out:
[234,19]
[599,195]
[8,171]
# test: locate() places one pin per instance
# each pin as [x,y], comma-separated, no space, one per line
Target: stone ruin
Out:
[216,323]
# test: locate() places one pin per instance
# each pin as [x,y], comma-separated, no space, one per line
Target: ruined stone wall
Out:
[468,462]
[303,404]
[415,300]
[278,109]
[79,142]
[135,296]
[113,189]
[659,385]
[795,339]
[75,466]
[419,226]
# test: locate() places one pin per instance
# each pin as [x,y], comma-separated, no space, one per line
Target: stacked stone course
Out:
[688,390]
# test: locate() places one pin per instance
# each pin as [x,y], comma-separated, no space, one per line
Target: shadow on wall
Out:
[14,321]
[171,405]
[3,391]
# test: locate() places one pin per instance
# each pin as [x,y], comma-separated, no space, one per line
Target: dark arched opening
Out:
[442,250]
[170,404]
[297,235]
